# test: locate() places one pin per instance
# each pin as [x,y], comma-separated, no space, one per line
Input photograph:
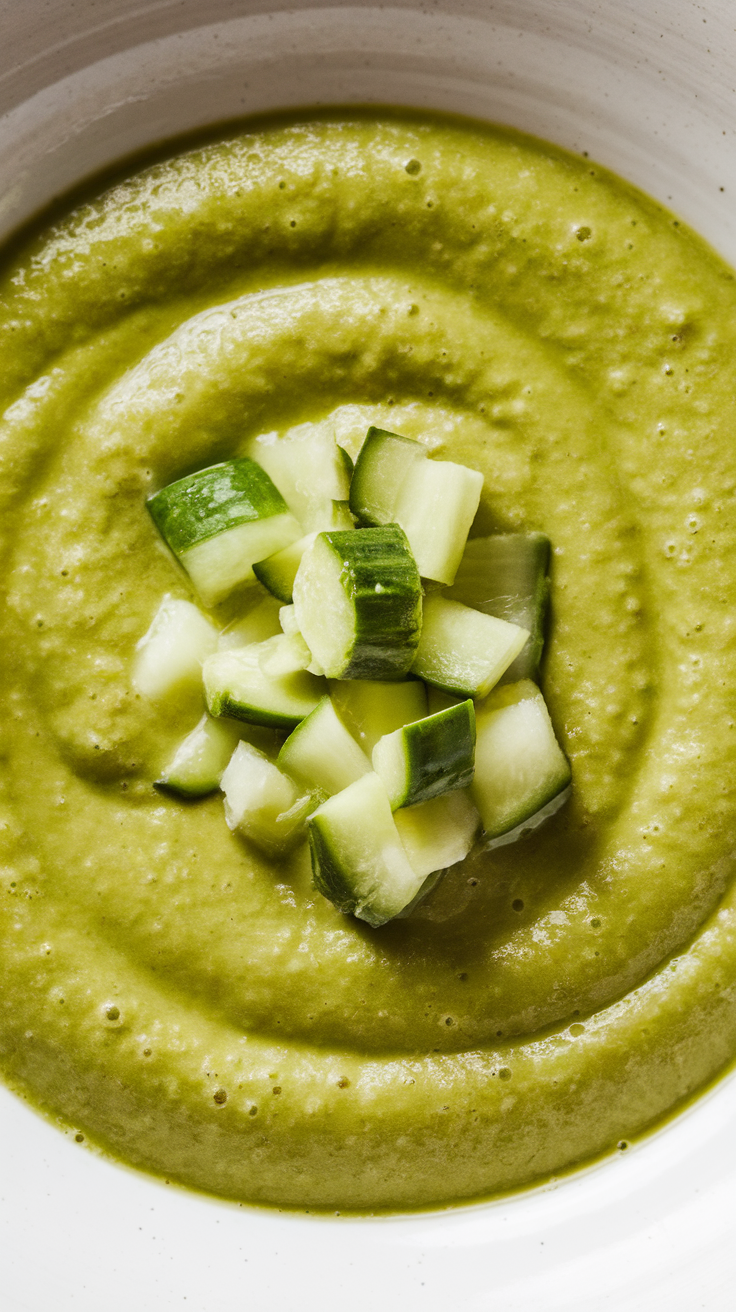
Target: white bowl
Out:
[648,91]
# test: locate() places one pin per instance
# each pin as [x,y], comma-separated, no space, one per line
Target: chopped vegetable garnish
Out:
[404,669]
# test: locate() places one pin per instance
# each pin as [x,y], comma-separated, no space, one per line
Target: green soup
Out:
[197,1011]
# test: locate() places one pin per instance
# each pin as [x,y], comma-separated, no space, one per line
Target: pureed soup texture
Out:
[168,991]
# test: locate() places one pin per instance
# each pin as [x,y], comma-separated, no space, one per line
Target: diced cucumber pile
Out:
[402,725]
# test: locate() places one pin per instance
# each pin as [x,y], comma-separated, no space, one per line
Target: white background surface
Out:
[647,89]
[651,1230]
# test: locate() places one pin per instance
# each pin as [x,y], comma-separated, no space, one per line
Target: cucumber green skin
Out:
[224,705]
[213,500]
[187,794]
[359,500]
[388,624]
[511,584]
[330,881]
[440,753]
[275,580]
[347,461]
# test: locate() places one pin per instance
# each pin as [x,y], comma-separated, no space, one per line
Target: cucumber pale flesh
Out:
[519,765]
[438,833]
[261,802]
[371,709]
[322,754]
[462,650]
[436,505]
[529,825]
[199,762]
[261,621]
[285,653]
[309,469]
[506,575]
[223,563]
[170,655]
[439,700]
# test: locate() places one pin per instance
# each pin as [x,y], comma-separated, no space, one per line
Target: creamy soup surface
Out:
[166,991]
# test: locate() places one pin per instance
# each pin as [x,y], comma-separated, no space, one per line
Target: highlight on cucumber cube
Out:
[371,686]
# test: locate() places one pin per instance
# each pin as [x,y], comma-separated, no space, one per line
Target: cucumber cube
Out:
[506,575]
[261,802]
[261,684]
[322,754]
[436,506]
[438,833]
[309,470]
[382,465]
[219,521]
[358,603]
[200,759]
[519,765]
[429,757]
[169,656]
[434,501]
[358,859]
[462,650]
[277,572]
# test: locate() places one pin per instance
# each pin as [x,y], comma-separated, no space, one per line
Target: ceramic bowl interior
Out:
[646,90]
